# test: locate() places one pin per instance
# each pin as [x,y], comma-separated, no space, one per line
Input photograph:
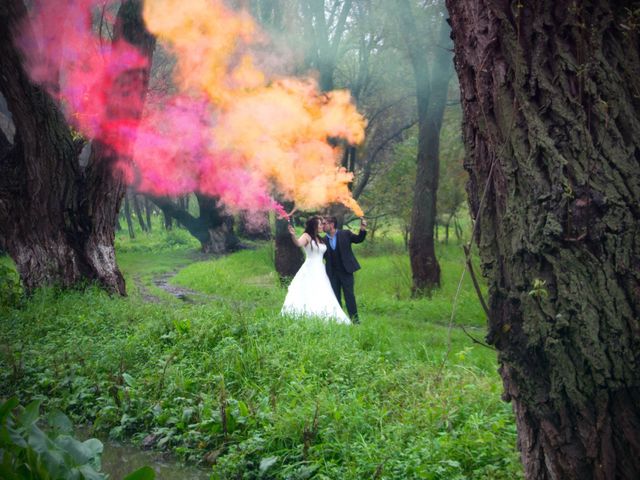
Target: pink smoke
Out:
[178,146]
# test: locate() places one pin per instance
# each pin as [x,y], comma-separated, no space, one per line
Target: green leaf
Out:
[7,472]
[267,463]
[80,453]
[89,473]
[144,473]
[7,407]
[129,380]
[39,441]
[30,414]
[94,446]
[242,407]
[186,414]
[60,422]
[306,471]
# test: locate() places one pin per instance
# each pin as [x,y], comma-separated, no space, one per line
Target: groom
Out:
[341,263]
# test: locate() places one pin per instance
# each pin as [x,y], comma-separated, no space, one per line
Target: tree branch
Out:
[169,208]
[476,285]
[364,179]
[337,37]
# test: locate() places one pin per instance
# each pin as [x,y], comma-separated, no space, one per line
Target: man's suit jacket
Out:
[344,239]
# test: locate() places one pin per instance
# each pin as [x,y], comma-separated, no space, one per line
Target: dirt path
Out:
[187,295]
[182,293]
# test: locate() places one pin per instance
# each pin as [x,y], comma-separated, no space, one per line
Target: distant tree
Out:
[138,209]
[375,74]
[213,227]
[324,23]
[57,217]
[127,216]
[551,101]
[390,192]
[254,226]
[148,210]
[451,193]
[431,83]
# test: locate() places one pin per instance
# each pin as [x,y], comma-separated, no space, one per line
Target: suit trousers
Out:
[341,280]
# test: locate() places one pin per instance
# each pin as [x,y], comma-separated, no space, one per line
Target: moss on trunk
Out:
[551,98]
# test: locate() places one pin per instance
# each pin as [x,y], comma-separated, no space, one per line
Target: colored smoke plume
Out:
[230,130]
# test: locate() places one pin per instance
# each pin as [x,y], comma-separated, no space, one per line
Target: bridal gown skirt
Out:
[310,293]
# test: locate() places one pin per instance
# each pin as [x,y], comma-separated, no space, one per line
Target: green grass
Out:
[231,379]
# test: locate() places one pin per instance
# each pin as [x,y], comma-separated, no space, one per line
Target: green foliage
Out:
[262,396]
[451,193]
[29,453]
[158,240]
[10,289]
[539,288]
[391,190]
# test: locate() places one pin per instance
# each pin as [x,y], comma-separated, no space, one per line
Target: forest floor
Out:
[198,361]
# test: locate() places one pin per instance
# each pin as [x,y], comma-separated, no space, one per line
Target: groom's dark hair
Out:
[333,220]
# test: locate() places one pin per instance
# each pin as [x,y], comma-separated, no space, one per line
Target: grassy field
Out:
[224,380]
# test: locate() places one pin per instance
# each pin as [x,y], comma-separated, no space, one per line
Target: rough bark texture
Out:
[551,97]
[431,95]
[56,218]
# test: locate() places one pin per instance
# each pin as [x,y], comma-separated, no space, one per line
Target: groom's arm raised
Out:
[300,242]
[359,238]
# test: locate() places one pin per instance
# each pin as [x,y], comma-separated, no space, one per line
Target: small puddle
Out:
[120,459]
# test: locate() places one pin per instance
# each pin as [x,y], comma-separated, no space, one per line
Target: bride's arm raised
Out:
[302,241]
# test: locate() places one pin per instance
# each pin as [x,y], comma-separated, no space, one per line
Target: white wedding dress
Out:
[310,292]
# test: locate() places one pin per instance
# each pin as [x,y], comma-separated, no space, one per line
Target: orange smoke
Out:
[275,130]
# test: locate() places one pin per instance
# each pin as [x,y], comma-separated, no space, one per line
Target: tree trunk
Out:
[148,208]
[288,256]
[457,229]
[213,228]
[127,216]
[431,95]
[551,97]
[219,225]
[138,210]
[254,226]
[446,231]
[64,234]
[168,219]
[325,47]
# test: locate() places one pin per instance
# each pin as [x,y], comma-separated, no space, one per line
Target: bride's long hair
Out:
[311,229]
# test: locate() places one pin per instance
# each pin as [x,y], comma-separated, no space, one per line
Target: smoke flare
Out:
[229,131]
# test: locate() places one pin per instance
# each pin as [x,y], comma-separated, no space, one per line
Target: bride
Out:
[310,291]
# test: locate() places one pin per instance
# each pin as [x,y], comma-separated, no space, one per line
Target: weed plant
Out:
[231,383]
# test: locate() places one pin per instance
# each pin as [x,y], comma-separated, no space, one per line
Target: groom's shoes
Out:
[355,320]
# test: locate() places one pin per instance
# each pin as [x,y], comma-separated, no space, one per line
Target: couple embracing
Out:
[316,288]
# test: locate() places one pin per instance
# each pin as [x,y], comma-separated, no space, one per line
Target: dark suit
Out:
[340,265]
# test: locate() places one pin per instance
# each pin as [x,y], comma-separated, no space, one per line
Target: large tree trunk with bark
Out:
[551,97]
[57,218]
[431,96]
